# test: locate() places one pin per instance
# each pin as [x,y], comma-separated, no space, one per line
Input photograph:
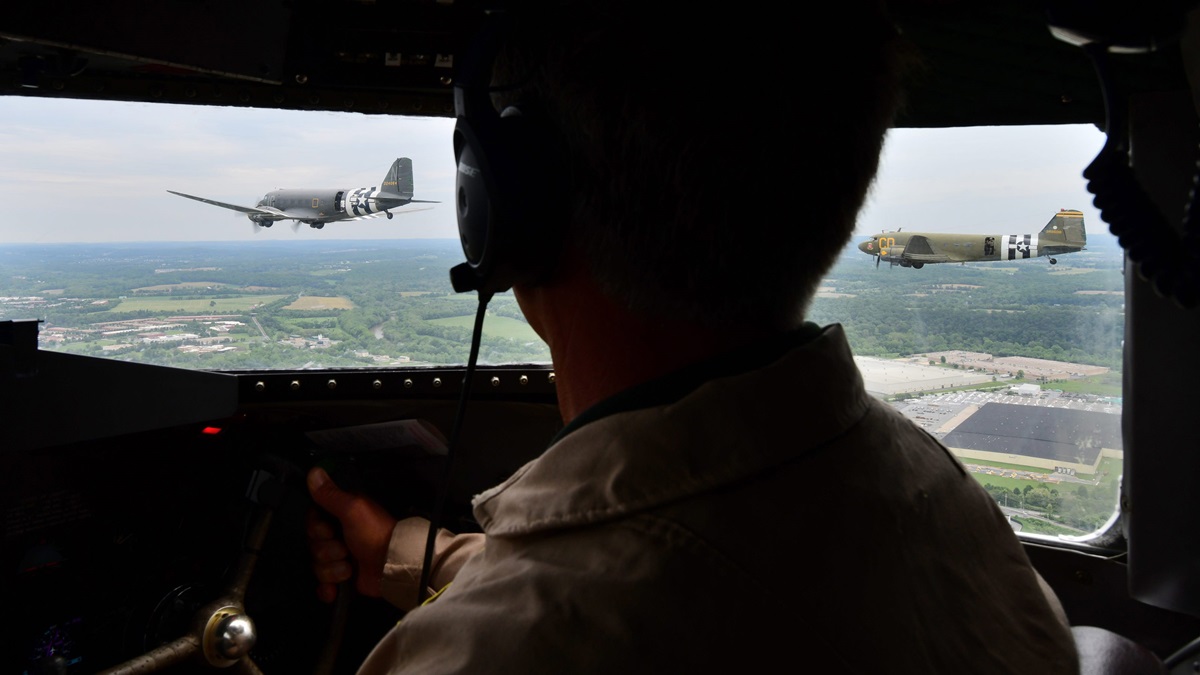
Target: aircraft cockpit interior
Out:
[153,481]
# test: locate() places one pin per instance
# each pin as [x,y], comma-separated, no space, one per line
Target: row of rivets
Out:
[408,383]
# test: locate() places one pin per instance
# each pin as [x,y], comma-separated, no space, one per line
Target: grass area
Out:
[1109,471]
[493,326]
[240,303]
[1108,384]
[998,384]
[1010,483]
[1002,465]
[310,302]
[314,322]
[1107,481]
[185,284]
[1039,526]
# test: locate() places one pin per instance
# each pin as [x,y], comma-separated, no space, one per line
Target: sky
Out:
[99,171]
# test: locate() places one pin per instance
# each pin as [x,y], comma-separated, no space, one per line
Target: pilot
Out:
[724,495]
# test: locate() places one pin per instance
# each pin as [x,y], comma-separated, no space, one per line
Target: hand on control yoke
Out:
[360,553]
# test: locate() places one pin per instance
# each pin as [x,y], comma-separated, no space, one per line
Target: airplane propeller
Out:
[295,226]
[254,227]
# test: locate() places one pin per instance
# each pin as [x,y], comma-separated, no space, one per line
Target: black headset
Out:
[510,181]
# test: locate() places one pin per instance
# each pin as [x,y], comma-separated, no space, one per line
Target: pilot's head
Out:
[716,160]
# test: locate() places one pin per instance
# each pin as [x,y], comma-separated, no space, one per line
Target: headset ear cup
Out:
[472,196]
[508,187]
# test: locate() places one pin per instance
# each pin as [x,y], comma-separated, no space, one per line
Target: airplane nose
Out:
[863,246]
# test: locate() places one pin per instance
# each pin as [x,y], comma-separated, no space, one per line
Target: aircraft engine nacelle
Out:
[261,222]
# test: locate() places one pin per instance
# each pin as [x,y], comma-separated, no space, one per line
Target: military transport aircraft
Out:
[316,207]
[1063,234]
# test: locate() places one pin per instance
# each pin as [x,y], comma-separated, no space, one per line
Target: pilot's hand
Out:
[366,531]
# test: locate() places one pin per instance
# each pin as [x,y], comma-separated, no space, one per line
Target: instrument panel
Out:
[113,544]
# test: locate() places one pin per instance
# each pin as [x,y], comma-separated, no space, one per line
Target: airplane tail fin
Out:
[399,180]
[1065,227]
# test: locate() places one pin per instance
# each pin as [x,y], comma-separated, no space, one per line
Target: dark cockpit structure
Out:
[148,511]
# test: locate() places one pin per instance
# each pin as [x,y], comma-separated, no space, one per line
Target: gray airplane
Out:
[325,205]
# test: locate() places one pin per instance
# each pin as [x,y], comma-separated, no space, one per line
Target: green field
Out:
[1108,384]
[493,326]
[1039,526]
[166,303]
[319,302]
[185,284]
[314,322]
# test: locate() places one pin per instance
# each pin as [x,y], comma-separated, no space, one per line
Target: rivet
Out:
[524,379]
[550,378]
[332,384]
[377,384]
[295,385]
[260,386]
[495,382]
[301,79]
[437,381]
[189,92]
[408,384]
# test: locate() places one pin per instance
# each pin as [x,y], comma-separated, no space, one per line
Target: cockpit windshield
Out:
[342,264]
[982,294]
[984,297]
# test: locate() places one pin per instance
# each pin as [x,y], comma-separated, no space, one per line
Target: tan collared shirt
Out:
[777,516]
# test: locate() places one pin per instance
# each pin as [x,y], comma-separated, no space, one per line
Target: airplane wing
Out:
[920,249]
[262,212]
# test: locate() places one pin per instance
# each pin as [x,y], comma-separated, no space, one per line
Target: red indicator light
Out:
[211,431]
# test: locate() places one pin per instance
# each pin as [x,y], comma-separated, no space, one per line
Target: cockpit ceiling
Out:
[983,63]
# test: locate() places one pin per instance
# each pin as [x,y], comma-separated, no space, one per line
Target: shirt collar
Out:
[724,430]
[674,386]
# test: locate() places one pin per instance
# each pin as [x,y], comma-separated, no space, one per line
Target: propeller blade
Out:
[877,261]
[295,226]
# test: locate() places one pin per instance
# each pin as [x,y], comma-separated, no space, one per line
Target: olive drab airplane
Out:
[315,207]
[1063,234]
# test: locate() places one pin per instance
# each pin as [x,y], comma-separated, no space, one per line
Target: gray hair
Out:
[717,164]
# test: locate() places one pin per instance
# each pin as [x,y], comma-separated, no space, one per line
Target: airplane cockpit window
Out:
[984,298]
[982,293]
[141,232]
